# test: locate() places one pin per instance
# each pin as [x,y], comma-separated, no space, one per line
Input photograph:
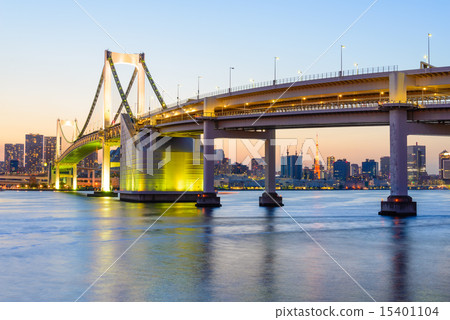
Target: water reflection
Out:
[400,260]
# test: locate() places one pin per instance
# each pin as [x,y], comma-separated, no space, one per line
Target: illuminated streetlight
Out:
[229,90]
[198,87]
[275,69]
[253,82]
[300,74]
[342,47]
[356,65]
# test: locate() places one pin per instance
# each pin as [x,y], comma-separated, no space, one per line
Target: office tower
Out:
[49,151]
[444,165]
[384,167]
[416,163]
[369,168]
[14,152]
[34,146]
[354,170]
[257,169]
[341,170]
[291,166]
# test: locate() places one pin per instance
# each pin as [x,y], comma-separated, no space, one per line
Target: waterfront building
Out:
[384,167]
[341,170]
[444,165]
[369,168]
[14,152]
[291,166]
[34,146]
[49,152]
[416,164]
[354,169]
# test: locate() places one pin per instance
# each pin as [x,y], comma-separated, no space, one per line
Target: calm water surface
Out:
[54,245]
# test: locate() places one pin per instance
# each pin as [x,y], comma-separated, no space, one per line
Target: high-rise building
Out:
[257,169]
[416,163]
[2,166]
[13,152]
[330,162]
[14,166]
[291,166]
[341,170]
[384,167]
[444,165]
[354,169]
[49,151]
[34,146]
[370,168]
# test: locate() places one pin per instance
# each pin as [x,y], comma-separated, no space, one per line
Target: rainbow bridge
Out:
[410,102]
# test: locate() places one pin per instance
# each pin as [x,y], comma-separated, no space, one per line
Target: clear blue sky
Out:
[52,53]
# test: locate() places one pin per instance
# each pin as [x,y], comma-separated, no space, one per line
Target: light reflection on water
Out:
[53,245]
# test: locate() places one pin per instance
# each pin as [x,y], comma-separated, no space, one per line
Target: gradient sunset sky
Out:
[52,54]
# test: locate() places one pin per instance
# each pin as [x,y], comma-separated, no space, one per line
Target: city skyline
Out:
[46,49]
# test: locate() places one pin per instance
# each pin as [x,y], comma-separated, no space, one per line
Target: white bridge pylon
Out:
[121,58]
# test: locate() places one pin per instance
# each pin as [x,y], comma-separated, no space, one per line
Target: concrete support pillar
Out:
[398,157]
[209,197]
[57,183]
[74,177]
[398,203]
[106,187]
[270,198]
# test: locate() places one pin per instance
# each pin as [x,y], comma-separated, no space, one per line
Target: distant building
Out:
[291,166]
[14,152]
[384,167]
[14,166]
[330,162]
[49,151]
[34,146]
[369,168]
[239,168]
[87,166]
[3,167]
[257,167]
[444,165]
[354,170]
[341,170]
[416,164]
[308,174]
[219,155]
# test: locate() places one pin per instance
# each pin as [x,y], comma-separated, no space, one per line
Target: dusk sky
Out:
[52,54]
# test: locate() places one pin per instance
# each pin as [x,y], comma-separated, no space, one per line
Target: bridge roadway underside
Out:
[307,119]
[81,152]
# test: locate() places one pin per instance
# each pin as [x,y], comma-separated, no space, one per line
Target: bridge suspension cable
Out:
[64,136]
[119,86]
[97,93]
[152,83]
[130,84]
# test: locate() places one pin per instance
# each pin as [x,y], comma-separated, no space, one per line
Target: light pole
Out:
[275,69]
[217,88]
[342,47]
[428,58]
[300,74]
[198,87]
[356,65]
[229,89]
[253,82]
[178,94]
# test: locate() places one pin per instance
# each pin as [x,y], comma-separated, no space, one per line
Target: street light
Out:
[300,74]
[229,89]
[429,36]
[342,47]
[253,82]
[198,87]
[356,65]
[381,93]
[275,69]
[217,88]
[178,94]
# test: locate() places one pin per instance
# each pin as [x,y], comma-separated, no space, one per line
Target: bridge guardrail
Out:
[306,77]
